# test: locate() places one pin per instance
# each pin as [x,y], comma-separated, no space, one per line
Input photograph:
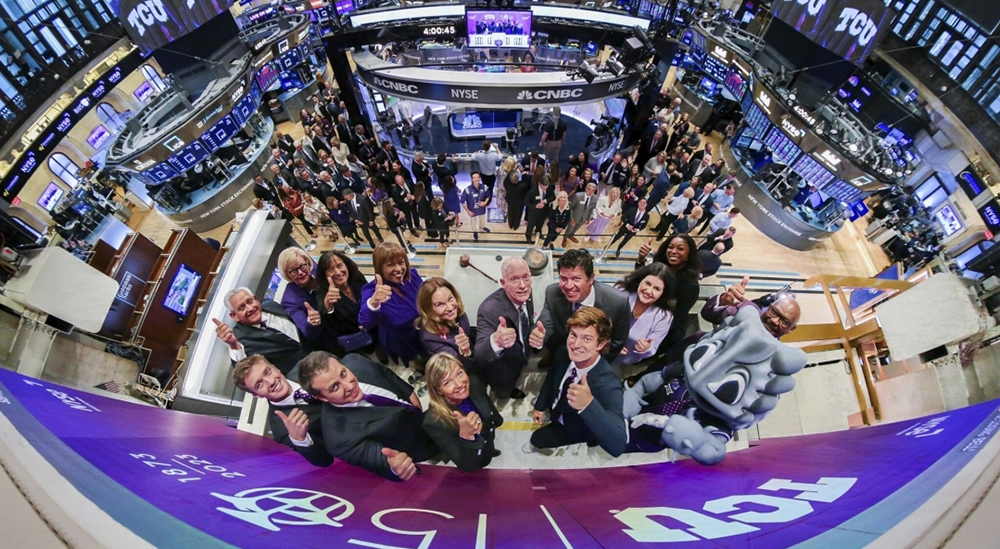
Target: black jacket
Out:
[316,453]
[468,455]
[277,348]
[357,435]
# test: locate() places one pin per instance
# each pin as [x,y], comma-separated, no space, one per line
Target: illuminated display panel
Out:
[812,171]
[188,157]
[782,148]
[757,121]
[220,132]
[160,173]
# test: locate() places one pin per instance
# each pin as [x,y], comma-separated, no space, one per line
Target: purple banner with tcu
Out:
[182,480]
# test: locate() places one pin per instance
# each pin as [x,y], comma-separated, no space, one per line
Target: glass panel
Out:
[897,29]
[90,20]
[970,81]
[940,43]
[994,107]
[935,23]
[12,9]
[955,72]
[953,52]
[51,39]
[913,30]
[962,63]
[927,9]
[935,199]
[980,40]
[64,168]
[994,50]
[952,20]
[65,32]
[970,33]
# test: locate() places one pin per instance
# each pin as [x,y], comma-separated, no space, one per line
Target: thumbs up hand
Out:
[734,294]
[468,426]
[382,292]
[312,317]
[332,295]
[537,337]
[296,423]
[645,249]
[462,340]
[400,463]
[225,333]
[578,395]
[504,337]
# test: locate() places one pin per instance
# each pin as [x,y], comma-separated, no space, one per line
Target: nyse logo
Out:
[791,129]
[270,507]
[463,93]
[148,13]
[616,86]
[543,95]
[237,94]
[720,53]
[764,101]
[396,86]
[857,23]
[813,7]
[829,158]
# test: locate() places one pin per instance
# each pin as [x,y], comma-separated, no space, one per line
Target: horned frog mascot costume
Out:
[729,380]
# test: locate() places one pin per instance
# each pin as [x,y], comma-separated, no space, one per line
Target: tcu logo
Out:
[147,13]
[286,506]
[857,23]
[813,7]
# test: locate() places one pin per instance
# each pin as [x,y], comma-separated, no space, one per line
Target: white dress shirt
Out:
[290,400]
[367,389]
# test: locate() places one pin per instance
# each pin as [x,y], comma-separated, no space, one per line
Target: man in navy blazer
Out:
[582,395]
[503,323]
[372,419]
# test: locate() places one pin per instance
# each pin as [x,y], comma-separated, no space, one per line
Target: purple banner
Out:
[848,28]
[197,474]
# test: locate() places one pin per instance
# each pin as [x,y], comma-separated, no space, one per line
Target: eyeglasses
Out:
[301,269]
[771,313]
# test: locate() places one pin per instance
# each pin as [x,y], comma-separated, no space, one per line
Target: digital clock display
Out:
[441,30]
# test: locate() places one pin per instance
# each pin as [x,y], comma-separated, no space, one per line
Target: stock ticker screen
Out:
[782,148]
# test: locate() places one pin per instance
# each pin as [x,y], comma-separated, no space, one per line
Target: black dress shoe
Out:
[496,453]
[517,393]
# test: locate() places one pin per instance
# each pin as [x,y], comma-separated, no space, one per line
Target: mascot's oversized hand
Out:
[686,436]
[634,402]
[652,420]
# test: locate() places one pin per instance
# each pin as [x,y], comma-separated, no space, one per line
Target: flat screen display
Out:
[188,157]
[182,290]
[344,6]
[143,91]
[736,84]
[267,75]
[50,197]
[812,171]
[757,121]
[98,136]
[243,110]
[220,132]
[949,220]
[715,68]
[290,59]
[782,148]
[498,28]
[160,173]
[708,86]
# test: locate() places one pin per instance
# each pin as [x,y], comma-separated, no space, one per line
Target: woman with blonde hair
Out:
[443,324]
[339,152]
[501,177]
[558,218]
[461,419]
[609,207]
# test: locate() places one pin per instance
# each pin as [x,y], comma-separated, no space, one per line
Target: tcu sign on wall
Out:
[469,93]
[152,24]
[849,28]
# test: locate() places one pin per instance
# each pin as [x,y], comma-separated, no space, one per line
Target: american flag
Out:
[108,386]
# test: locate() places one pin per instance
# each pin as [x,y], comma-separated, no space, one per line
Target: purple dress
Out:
[396,335]
[322,337]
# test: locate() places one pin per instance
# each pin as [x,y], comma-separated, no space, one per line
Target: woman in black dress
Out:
[340,282]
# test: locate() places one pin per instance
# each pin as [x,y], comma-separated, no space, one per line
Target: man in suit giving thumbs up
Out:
[503,325]
[582,395]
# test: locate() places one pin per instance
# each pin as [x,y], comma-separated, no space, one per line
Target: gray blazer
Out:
[578,213]
[557,311]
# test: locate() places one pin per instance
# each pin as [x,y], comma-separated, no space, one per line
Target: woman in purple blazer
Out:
[390,302]
[303,299]
[651,299]
[444,326]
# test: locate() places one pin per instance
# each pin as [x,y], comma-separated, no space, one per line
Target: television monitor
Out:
[50,197]
[498,28]
[143,91]
[344,6]
[182,290]
[708,85]
[220,133]
[590,48]
[267,75]
[98,136]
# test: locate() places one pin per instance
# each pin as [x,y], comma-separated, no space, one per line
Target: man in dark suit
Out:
[307,154]
[721,236]
[634,220]
[649,148]
[503,324]
[388,154]
[576,289]
[537,208]
[710,260]
[366,215]
[421,171]
[372,419]
[293,414]
[261,329]
[285,143]
[263,190]
[351,180]
[530,163]
[343,131]
[358,139]
[281,176]
[582,393]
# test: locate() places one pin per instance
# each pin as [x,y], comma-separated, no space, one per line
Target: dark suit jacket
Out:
[366,209]
[286,144]
[357,435]
[498,305]
[602,421]
[315,454]
[277,348]
[531,202]
[421,173]
[468,455]
[557,311]
[628,218]
[344,134]
[387,156]
[526,164]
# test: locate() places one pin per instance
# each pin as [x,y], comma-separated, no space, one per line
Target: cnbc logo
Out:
[543,95]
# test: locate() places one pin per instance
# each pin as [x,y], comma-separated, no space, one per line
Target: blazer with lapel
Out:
[602,422]
[628,218]
[315,454]
[557,311]
[468,455]
[580,215]
[357,435]
[279,349]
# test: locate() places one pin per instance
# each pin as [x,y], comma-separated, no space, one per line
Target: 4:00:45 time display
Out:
[443,30]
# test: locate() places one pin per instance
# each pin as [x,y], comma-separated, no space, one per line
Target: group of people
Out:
[309,354]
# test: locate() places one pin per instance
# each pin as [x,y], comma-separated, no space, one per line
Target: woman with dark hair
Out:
[340,284]
[390,303]
[306,118]
[570,182]
[679,254]
[527,62]
[291,200]
[395,220]
[581,160]
[452,201]
[443,324]
[461,418]
[650,298]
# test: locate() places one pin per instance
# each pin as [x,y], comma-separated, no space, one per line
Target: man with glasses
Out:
[260,329]
[779,318]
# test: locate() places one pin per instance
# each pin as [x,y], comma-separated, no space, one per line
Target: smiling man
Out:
[294,414]
[779,318]
[261,328]
[582,395]
[503,324]
[576,289]
[372,419]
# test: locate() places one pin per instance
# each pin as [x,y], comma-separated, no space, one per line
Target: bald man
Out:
[503,325]
[780,318]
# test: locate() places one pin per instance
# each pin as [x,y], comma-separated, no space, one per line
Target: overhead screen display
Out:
[152,24]
[498,28]
[848,28]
